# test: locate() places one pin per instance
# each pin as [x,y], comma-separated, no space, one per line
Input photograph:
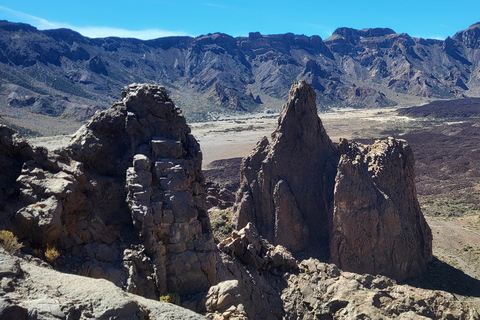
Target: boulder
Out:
[251,249]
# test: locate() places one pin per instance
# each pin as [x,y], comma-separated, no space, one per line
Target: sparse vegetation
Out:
[51,253]
[221,223]
[447,207]
[171,298]
[9,241]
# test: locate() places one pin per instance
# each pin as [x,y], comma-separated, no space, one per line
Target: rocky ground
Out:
[31,289]
[455,246]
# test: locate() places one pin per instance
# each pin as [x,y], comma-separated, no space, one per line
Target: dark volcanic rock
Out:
[300,190]
[287,182]
[14,151]
[125,200]
[378,227]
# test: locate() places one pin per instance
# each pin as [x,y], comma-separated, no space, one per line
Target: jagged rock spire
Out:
[357,202]
[287,181]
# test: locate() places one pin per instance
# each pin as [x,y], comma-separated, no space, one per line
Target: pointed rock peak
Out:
[299,121]
[301,108]
[276,175]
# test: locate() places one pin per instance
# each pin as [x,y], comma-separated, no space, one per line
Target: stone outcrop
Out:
[30,290]
[378,227]
[14,151]
[358,202]
[124,201]
[287,181]
[251,249]
[167,202]
[322,291]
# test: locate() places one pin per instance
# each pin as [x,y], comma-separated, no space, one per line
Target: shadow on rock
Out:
[442,276]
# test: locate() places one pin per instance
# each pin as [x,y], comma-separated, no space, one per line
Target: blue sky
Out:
[147,19]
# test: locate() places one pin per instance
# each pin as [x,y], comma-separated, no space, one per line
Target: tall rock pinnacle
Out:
[358,202]
[287,181]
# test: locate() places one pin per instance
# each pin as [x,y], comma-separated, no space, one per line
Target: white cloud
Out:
[101,32]
[91,31]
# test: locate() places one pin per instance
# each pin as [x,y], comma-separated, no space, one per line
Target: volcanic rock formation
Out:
[125,198]
[301,190]
[287,181]
[378,227]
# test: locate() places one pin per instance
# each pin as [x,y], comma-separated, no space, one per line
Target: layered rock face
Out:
[125,199]
[287,181]
[14,151]
[378,227]
[359,201]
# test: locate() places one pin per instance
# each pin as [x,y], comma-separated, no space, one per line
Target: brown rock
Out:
[250,248]
[287,181]
[378,227]
[367,216]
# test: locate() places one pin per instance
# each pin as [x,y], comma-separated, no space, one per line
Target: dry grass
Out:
[51,253]
[10,242]
[171,298]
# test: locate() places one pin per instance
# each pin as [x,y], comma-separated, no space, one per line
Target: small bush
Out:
[51,253]
[9,241]
[171,298]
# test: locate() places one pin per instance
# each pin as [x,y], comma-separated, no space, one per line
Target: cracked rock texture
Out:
[287,181]
[357,203]
[378,227]
[124,201]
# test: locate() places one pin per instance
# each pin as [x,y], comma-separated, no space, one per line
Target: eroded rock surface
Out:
[358,202]
[287,180]
[319,290]
[124,201]
[248,246]
[323,291]
[31,290]
[378,227]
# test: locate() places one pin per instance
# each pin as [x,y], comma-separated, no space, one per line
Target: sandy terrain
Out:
[237,137]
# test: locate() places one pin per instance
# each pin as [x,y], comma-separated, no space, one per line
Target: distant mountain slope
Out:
[61,73]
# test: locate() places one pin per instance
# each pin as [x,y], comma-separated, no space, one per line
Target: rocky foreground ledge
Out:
[125,203]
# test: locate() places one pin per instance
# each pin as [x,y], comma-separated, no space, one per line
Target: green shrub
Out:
[171,298]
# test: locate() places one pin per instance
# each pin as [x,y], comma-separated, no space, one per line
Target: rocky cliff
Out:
[356,202]
[125,200]
[60,72]
[287,181]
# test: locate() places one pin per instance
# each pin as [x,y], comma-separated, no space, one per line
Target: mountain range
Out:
[61,73]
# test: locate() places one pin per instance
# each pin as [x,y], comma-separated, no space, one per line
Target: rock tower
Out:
[357,201]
